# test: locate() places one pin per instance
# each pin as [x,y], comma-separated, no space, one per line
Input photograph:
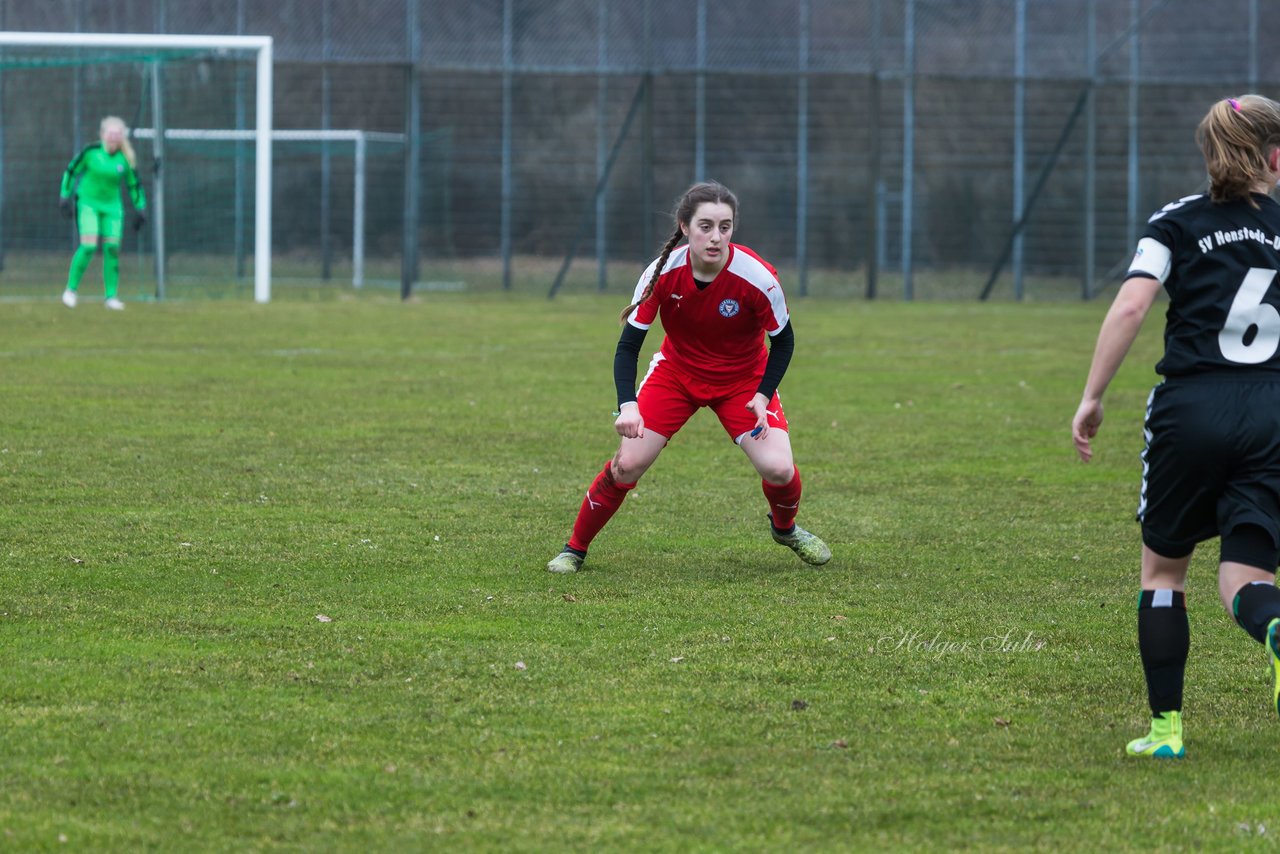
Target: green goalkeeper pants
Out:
[94,224]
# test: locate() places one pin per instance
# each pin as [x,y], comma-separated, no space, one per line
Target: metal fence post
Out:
[157,187]
[238,180]
[802,152]
[1253,45]
[908,143]
[1090,152]
[700,98]
[874,179]
[508,63]
[602,146]
[646,136]
[326,161]
[3,3]
[1019,137]
[1135,72]
[77,141]
[412,154]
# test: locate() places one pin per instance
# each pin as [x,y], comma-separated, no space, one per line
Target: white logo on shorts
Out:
[729,307]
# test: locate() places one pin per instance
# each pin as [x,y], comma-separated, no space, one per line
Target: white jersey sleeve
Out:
[675,259]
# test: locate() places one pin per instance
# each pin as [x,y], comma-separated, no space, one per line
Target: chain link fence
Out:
[895,149]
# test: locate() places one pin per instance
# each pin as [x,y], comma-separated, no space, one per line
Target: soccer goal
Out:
[362,147]
[54,87]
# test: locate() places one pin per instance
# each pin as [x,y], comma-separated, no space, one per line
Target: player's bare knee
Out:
[778,475]
[776,469]
[627,467]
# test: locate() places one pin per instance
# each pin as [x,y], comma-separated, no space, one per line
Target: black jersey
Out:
[1218,263]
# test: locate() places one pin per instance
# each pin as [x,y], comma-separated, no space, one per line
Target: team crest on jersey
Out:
[729,307]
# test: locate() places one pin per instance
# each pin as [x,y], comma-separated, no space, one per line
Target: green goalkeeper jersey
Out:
[99,174]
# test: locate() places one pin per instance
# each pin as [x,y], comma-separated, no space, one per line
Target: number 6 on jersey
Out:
[1249,311]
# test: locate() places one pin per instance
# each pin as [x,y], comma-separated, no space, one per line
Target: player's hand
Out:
[759,406]
[630,423]
[1085,426]
[139,220]
[67,206]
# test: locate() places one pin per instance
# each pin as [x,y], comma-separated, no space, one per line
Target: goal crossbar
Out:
[261,46]
[359,138]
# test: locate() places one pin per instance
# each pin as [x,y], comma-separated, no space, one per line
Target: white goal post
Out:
[360,140]
[261,46]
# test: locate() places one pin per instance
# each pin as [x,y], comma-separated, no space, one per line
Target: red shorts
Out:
[668,398]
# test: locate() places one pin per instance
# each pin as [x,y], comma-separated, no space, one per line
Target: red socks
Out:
[603,500]
[606,495]
[784,501]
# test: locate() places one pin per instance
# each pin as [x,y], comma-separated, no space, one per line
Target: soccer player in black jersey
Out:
[1211,466]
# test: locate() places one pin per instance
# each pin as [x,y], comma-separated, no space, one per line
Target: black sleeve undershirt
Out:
[625,359]
[781,347]
[627,356]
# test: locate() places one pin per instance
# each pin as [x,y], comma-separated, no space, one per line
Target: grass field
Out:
[271,577]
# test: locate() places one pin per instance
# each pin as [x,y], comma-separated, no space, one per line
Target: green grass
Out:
[186,486]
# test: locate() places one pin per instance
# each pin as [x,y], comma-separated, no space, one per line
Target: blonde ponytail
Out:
[127,148]
[1236,137]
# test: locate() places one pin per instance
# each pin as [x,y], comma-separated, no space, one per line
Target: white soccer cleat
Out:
[114,304]
[69,298]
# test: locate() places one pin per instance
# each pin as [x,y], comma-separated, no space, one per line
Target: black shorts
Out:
[1212,461]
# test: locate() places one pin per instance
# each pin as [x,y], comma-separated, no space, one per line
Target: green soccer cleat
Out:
[1164,741]
[808,547]
[1273,647]
[566,561]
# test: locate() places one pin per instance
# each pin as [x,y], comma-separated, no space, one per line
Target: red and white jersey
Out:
[714,334]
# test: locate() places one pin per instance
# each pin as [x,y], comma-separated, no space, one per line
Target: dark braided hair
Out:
[699,194]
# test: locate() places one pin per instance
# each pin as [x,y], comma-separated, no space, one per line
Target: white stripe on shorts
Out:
[1146,435]
[653,365]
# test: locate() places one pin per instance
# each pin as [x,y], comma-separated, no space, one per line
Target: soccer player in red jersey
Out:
[717,301]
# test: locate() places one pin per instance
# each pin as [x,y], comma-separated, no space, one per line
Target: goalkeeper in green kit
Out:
[95,202]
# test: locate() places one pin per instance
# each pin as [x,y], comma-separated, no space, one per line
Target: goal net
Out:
[332,192]
[54,90]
